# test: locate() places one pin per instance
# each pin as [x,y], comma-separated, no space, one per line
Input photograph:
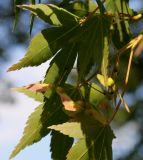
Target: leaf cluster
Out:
[90,37]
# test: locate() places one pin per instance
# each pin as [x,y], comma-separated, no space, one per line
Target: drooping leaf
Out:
[59,152]
[32,18]
[45,115]
[37,96]
[83,126]
[118,6]
[93,93]
[91,44]
[67,102]
[98,147]
[43,46]
[101,6]
[59,70]
[79,151]
[32,132]
[31,23]
[81,8]
[105,61]
[52,14]
[17,11]
[72,129]
[39,87]
[122,32]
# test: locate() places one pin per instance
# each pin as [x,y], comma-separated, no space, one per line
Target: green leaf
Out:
[47,114]
[81,8]
[91,44]
[32,18]
[93,93]
[79,151]
[35,95]
[98,148]
[32,132]
[31,23]
[121,28]
[118,6]
[101,6]
[43,46]
[105,61]
[72,129]
[96,143]
[59,152]
[59,70]
[52,14]
[17,12]
[83,125]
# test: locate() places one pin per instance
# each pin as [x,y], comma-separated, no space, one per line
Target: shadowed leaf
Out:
[97,143]
[59,152]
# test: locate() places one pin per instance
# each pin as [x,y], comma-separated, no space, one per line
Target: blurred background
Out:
[15,107]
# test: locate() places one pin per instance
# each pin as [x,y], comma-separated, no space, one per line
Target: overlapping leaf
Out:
[81,8]
[98,148]
[52,14]
[91,44]
[64,144]
[72,129]
[43,46]
[68,103]
[32,132]
[17,11]
[37,96]
[93,94]
[119,9]
[105,61]
[45,115]
[58,71]
[39,87]
[84,125]
[95,145]
[95,138]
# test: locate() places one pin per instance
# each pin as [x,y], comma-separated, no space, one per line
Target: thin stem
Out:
[96,89]
[115,111]
[129,66]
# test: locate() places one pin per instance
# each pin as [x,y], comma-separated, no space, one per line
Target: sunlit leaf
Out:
[105,61]
[81,8]
[39,87]
[42,47]
[52,14]
[58,71]
[72,129]
[121,28]
[93,93]
[97,146]
[37,96]
[45,115]
[32,132]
